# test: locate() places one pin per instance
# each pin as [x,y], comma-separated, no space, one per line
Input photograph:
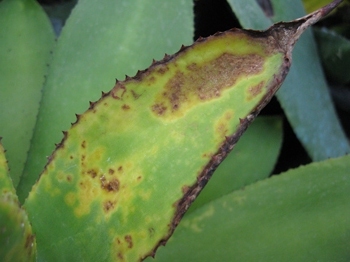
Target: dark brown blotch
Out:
[109,186]
[83,144]
[92,173]
[111,171]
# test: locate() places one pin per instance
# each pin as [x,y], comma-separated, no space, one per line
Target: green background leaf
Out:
[252,159]
[334,51]
[301,215]
[101,42]
[26,39]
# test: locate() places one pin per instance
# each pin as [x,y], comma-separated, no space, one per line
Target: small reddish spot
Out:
[111,171]
[83,144]
[139,178]
[128,239]
[120,168]
[69,178]
[120,256]
[125,107]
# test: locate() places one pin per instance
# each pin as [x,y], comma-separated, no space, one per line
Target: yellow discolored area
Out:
[223,125]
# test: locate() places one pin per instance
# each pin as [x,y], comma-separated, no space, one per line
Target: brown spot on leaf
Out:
[111,171]
[71,157]
[255,90]
[109,205]
[128,239]
[205,82]
[83,144]
[109,186]
[185,189]
[159,109]
[125,107]
[92,173]
[69,178]
[118,91]
[120,169]
[29,241]
[162,69]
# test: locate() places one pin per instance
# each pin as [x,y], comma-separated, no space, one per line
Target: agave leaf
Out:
[26,41]
[334,51]
[253,159]
[300,215]
[302,102]
[17,242]
[99,43]
[124,174]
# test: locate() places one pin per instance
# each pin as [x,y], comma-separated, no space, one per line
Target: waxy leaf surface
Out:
[26,39]
[300,215]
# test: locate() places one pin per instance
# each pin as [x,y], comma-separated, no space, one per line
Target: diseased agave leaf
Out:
[26,39]
[300,215]
[17,242]
[100,42]
[127,170]
[304,96]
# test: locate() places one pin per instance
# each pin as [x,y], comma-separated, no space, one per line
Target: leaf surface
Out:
[26,41]
[300,215]
[127,170]
[17,242]
[98,44]
[334,51]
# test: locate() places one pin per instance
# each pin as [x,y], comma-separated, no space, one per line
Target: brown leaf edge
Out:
[287,34]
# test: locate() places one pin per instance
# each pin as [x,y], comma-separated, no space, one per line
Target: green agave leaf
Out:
[253,159]
[99,43]
[304,95]
[127,170]
[17,242]
[334,51]
[26,41]
[301,215]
